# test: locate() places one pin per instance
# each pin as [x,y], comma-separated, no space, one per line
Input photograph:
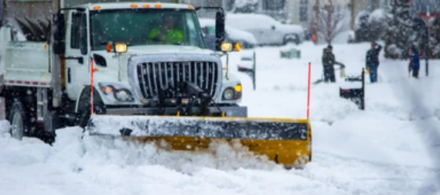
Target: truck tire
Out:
[84,113]
[19,119]
[83,118]
[84,108]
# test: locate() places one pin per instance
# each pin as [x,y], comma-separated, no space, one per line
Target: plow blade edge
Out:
[284,141]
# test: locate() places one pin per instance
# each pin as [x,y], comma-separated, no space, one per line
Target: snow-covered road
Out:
[393,147]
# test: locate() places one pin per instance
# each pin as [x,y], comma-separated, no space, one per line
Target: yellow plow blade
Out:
[284,141]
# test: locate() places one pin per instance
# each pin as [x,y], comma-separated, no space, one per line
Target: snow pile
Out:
[4,128]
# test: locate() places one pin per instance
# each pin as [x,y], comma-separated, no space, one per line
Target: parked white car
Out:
[246,39]
[267,30]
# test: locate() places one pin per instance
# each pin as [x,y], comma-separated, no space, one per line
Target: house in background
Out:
[295,11]
[303,11]
[278,9]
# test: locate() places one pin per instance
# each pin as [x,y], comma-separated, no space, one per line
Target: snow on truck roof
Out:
[126,5]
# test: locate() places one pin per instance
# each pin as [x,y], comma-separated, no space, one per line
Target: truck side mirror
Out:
[58,29]
[219,29]
[219,26]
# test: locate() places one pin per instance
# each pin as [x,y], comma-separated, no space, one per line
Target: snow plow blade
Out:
[284,141]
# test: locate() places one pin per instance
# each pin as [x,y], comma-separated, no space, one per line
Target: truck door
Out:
[77,54]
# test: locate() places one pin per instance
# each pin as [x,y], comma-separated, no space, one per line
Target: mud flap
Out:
[284,141]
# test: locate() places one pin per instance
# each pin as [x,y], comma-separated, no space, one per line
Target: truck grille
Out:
[156,76]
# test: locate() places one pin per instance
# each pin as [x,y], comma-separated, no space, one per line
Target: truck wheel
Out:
[18,119]
[83,115]
[83,119]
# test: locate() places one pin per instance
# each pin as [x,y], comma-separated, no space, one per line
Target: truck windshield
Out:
[145,27]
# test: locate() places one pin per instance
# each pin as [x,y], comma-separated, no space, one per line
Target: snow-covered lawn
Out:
[393,147]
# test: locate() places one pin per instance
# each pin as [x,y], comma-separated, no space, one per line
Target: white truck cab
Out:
[118,58]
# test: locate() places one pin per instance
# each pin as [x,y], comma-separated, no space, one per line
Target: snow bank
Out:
[4,128]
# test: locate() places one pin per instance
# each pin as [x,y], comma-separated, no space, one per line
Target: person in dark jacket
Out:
[372,61]
[414,63]
[328,61]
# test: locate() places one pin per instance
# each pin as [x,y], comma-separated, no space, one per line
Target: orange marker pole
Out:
[91,86]
[308,91]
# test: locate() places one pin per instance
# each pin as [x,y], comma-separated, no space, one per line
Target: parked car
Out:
[267,30]
[233,35]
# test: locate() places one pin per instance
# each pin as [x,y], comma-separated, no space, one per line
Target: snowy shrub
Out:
[405,28]
[361,26]
[370,26]
[377,24]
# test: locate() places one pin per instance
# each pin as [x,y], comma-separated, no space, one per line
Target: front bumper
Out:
[230,111]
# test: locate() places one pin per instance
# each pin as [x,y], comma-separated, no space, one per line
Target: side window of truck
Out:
[78,30]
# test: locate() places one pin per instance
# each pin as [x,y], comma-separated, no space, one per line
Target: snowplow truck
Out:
[137,70]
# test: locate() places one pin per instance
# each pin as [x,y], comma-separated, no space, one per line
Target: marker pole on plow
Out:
[91,86]
[308,91]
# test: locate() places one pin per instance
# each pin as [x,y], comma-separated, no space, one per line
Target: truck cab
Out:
[113,59]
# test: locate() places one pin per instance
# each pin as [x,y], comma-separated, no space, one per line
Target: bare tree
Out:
[331,21]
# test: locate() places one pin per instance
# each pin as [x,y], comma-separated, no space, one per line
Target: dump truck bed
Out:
[26,63]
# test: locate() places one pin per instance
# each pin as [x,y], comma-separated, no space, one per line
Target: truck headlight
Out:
[229,94]
[123,95]
[233,93]
[226,47]
[107,89]
[121,47]
[118,93]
